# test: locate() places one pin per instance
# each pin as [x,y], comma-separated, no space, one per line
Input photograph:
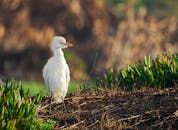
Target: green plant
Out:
[161,72]
[87,86]
[108,81]
[17,110]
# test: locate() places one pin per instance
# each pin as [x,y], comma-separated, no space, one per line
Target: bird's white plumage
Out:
[56,72]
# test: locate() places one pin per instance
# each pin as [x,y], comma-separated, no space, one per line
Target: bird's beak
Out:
[68,44]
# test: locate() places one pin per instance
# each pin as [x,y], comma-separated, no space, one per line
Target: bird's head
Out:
[60,42]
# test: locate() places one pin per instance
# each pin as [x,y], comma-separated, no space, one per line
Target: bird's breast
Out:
[55,74]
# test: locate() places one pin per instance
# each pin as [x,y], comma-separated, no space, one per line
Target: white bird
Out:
[56,72]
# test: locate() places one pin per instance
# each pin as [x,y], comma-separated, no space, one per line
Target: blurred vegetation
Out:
[78,66]
[118,31]
[159,8]
[35,87]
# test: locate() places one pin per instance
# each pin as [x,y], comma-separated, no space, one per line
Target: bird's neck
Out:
[58,52]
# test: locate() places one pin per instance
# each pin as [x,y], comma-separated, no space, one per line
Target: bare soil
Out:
[139,109]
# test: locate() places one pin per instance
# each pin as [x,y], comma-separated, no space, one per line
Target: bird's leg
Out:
[64,105]
[50,105]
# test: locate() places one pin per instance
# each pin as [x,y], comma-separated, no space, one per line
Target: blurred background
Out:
[106,34]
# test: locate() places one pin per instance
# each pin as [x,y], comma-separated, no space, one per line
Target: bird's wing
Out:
[67,75]
[45,74]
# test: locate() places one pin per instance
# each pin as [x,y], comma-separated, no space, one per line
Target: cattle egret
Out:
[56,72]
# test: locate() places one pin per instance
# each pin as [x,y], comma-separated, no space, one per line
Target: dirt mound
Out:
[143,109]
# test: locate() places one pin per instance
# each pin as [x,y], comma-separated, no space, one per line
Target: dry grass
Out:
[140,35]
[141,109]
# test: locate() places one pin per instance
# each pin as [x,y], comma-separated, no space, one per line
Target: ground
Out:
[139,109]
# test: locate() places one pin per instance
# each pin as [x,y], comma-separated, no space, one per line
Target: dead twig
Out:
[75,125]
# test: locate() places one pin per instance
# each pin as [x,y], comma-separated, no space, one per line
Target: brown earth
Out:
[141,109]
